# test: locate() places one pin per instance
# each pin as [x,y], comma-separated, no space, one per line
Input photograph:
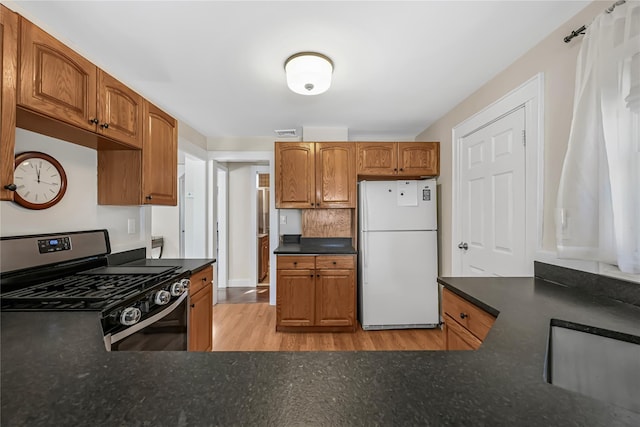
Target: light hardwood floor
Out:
[252,327]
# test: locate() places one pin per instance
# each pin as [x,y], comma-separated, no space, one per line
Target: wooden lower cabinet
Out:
[465,324]
[316,293]
[263,258]
[201,311]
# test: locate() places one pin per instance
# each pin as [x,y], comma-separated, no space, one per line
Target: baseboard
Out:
[240,283]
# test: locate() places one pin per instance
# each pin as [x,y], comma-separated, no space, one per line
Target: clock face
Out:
[41,181]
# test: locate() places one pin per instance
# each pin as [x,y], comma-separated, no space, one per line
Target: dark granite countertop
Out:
[191,264]
[317,246]
[56,372]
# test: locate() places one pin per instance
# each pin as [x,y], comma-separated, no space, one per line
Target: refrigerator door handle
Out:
[365,251]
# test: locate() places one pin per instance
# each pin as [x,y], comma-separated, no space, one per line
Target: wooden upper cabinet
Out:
[147,176]
[295,175]
[120,111]
[159,157]
[335,175]
[399,159]
[419,158]
[54,80]
[315,175]
[377,158]
[8,82]
[61,84]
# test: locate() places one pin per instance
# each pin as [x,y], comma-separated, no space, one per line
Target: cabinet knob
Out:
[11,187]
[401,169]
[104,125]
[149,197]
[94,121]
[334,263]
[317,275]
[204,279]
[295,262]
[311,275]
[193,305]
[395,169]
[463,315]
[311,204]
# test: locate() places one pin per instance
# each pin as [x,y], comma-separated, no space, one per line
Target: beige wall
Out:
[557,60]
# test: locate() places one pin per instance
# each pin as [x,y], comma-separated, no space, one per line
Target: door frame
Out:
[222,201]
[255,170]
[529,95]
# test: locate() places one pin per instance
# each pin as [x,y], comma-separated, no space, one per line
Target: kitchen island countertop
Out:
[55,371]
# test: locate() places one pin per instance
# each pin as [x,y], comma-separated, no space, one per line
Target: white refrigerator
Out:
[397,256]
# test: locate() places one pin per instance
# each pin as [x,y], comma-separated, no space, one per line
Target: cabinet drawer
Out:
[330,262]
[466,314]
[296,262]
[200,279]
[457,337]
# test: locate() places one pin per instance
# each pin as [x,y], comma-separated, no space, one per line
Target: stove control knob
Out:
[130,316]
[185,283]
[177,289]
[162,297]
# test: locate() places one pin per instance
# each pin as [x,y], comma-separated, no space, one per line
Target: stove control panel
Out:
[54,245]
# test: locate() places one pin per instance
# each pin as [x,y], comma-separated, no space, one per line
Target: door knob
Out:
[463,245]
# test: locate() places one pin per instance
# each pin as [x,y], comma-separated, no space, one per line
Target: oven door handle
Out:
[110,339]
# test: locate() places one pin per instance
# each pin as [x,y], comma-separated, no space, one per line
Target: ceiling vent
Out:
[286,133]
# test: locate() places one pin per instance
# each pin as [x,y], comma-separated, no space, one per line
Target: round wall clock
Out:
[40,179]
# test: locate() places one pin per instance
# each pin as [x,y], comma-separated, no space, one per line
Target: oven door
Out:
[165,330]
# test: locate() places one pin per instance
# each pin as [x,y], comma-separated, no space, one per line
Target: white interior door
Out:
[492,199]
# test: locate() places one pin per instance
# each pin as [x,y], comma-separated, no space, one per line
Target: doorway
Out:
[238,195]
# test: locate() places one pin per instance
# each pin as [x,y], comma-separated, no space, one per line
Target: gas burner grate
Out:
[79,292]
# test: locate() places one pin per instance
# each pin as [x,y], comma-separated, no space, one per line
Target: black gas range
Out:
[141,308]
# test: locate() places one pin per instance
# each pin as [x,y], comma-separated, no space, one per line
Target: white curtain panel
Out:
[598,206]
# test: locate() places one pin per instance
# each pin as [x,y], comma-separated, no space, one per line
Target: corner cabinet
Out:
[316,293]
[398,159]
[315,175]
[147,176]
[465,324]
[200,322]
[8,87]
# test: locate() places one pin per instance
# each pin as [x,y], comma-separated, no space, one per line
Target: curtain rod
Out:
[581,30]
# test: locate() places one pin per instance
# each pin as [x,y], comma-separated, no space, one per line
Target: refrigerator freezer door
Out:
[398,205]
[398,285]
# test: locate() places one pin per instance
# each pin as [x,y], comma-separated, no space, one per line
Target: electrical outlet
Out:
[131,226]
[283,219]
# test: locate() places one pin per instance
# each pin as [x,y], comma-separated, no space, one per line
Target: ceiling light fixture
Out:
[308,73]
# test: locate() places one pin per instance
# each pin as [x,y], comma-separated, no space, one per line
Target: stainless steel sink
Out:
[596,362]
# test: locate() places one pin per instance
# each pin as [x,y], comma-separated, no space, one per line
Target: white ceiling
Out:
[218,65]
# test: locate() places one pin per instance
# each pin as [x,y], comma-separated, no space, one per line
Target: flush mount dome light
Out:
[308,73]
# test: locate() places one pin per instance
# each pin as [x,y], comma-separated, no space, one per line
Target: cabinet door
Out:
[8,81]
[457,337]
[264,257]
[201,320]
[335,175]
[120,111]
[54,80]
[418,158]
[159,157]
[335,298]
[295,298]
[377,158]
[295,175]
